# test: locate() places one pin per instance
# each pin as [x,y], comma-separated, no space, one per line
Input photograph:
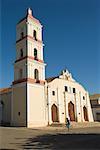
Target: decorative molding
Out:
[29,80]
[30,57]
[29,37]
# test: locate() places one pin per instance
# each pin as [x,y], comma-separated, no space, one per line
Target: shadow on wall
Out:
[62,141]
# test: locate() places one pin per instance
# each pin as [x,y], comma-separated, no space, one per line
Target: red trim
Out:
[21,39]
[21,59]
[29,37]
[19,81]
[29,80]
[33,58]
[30,57]
[32,38]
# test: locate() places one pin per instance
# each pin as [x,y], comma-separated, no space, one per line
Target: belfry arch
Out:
[71,111]
[54,113]
[36,74]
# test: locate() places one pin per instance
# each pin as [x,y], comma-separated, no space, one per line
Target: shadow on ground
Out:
[63,141]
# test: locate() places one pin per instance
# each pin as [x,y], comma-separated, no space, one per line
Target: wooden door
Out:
[85,113]
[71,111]
[54,111]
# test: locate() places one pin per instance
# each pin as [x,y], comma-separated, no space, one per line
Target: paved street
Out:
[50,138]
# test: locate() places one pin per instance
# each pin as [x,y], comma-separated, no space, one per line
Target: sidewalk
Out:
[85,124]
[74,125]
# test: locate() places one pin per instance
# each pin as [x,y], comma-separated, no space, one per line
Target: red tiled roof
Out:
[94,96]
[51,79]
[5,90]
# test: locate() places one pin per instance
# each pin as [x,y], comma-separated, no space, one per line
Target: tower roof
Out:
[94,96]
[30,15]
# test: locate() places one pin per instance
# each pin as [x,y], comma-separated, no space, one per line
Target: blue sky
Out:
[71,34]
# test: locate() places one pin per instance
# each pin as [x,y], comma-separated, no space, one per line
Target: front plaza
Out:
[79,137]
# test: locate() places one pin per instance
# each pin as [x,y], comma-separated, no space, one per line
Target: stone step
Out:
[77,124]
[56,124]
[85,124]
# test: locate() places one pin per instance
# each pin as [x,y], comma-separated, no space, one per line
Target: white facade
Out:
[35,101]
[61,98]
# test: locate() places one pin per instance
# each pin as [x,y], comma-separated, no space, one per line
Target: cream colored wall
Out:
[17,66]
[20,45]
[36,106]
[33,90]
[66,97]
[6,107]
[21,27]
[32,65]
[38,46]
[18,105]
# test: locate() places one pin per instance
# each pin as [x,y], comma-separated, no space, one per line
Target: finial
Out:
[29,11]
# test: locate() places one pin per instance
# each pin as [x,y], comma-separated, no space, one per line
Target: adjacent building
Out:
[95,104]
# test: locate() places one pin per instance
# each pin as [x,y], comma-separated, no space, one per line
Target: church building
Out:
[33,100]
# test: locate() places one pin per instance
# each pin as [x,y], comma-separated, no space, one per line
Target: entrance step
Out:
[56,124]
[77,124]
[84,124]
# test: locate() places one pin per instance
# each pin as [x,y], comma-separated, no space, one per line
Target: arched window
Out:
[21,53]
[20,73]
[35,35]
[22,35]
[35,53]
[36,74]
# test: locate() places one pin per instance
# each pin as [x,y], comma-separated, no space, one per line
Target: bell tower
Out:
[28,98]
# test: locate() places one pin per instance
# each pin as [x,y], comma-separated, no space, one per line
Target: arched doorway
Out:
[71,111]
[85,113]
[54,111]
